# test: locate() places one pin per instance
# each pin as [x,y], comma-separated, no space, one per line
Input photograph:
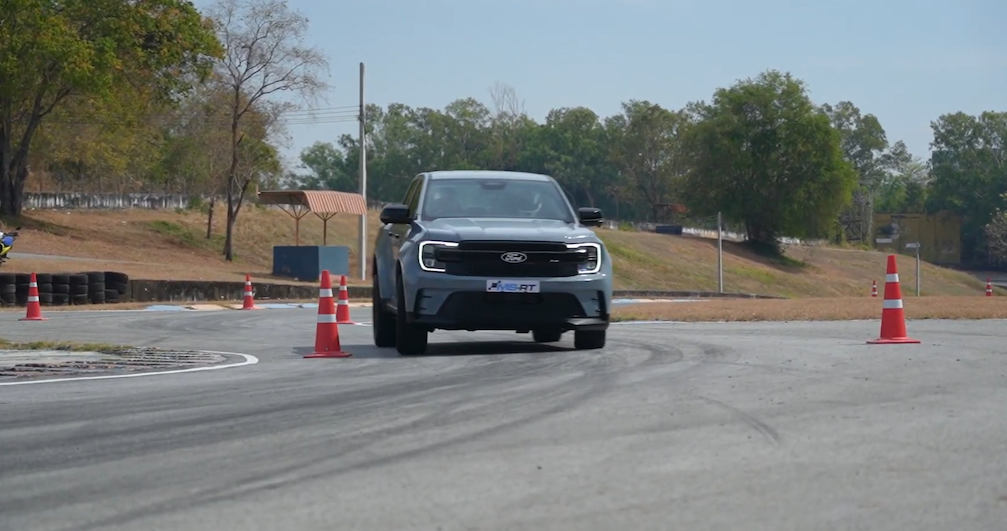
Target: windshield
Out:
[486,198]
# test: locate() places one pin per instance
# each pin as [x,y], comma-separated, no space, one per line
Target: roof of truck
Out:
[487,174]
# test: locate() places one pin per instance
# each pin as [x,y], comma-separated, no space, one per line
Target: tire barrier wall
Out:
[62,289]
[109,287]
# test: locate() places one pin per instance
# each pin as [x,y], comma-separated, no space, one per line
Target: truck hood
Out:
[459,229]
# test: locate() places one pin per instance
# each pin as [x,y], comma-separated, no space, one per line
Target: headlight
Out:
[426,256]
[593,263]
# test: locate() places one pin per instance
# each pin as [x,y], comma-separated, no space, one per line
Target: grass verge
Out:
[816,309]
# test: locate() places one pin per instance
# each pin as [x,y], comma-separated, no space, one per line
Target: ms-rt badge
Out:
[512,286]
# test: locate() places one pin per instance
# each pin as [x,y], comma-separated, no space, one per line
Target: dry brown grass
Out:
[654,261]
[172,245]
[814,309]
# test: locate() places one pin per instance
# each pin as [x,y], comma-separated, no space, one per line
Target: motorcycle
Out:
[6,242]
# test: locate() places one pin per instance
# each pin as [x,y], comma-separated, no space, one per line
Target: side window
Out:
[414,201]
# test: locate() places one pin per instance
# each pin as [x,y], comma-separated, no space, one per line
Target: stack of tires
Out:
[105,287]
[60,289]
[23,283]
[8,289]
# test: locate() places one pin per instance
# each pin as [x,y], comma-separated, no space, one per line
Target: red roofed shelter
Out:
[323,203]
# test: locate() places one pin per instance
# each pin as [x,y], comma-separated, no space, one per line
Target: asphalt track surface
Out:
[773,426]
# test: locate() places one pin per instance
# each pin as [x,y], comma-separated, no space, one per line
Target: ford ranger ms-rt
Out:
[488,250]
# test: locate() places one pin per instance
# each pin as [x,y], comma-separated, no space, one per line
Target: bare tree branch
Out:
[264,56]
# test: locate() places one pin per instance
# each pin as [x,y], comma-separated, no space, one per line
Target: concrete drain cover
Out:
[21,364]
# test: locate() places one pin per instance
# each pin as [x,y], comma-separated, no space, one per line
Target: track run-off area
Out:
[691,426]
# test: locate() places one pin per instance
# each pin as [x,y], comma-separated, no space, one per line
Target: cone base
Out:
[333,354]
[33,319]
[893,341]
[249,308]
[347,322]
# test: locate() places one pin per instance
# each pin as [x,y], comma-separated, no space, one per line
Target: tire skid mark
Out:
[765,429]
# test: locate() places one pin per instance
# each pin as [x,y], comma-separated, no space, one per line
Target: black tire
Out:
[589,339]
[410,339]
[96,297]
[78,279]
[115,277]
[79,300]
[45,299]
[119,287]
[111,296]
[78,289]
[383,322]
[7,278]
[43,278]
[9,299]
[61,289]
[60,299]
[21,299]
[96,287]
[94,277]
[547,335]
[8,289]
[60,278]
[44,288]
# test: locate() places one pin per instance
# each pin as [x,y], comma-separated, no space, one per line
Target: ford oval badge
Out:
[513,257]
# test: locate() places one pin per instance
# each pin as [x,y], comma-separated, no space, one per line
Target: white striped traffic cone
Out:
[893,316]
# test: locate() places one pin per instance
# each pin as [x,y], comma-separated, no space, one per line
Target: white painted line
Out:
[249,360]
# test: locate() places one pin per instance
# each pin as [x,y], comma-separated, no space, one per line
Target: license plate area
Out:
[513,298]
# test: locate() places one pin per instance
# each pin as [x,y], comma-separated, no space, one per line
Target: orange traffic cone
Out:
[989,288]
[893,316]
[343,304]
[874,288]
[327,331]
[249,299]
[34,308]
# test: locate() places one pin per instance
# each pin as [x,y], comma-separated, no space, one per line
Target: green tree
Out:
[53,51]
[969,173]
[647,148]
[764,156]
[863,142]
[327,167]
[575,152]
[905,182]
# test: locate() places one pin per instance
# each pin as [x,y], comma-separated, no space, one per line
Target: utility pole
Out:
[363,180]
[720,253]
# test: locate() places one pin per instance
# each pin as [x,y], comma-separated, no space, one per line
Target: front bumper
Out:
[450,302]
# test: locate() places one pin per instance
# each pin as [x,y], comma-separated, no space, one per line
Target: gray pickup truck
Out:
[489,250]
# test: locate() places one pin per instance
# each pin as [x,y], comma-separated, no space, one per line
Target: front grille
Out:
[483,258]
[511,307]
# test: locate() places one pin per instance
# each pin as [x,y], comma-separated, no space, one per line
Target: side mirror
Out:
[396,214]
[590,216]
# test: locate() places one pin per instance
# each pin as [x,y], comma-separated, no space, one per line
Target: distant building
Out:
[939,235]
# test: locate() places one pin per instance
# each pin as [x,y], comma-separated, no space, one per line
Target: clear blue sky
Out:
[905,61]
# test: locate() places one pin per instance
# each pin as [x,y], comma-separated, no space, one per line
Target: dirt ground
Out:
[813,309]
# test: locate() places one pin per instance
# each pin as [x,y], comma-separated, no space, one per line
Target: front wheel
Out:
[589,339]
